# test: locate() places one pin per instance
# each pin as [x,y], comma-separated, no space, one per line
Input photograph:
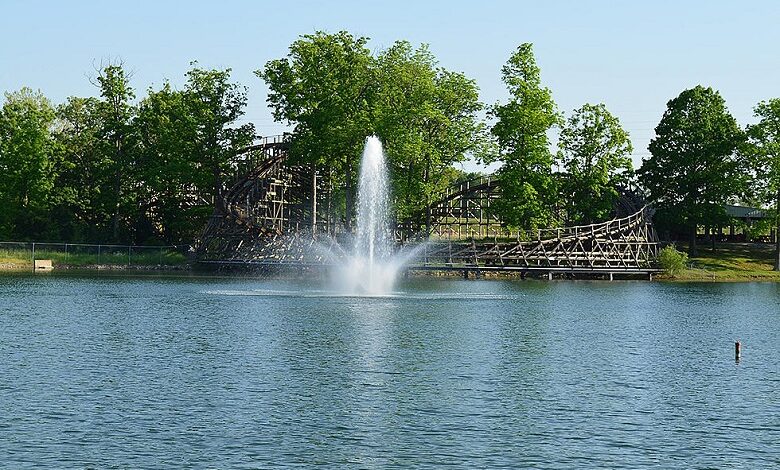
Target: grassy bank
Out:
[731,262]
[20,259]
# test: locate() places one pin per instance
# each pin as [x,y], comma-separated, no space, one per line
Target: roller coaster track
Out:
[264,219]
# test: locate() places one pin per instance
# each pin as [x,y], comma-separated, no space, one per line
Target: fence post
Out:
[33,256]
[98,260]
[128,255]
[161,253]
[67,256]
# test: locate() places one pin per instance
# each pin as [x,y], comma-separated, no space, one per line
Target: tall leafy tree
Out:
[764,147]
[216,105]
[26,170]
[167,166]
[594,151]
[80,170]
[694,168]
[428,120]
[117,147]
[189,142]
[323,88]
[528,188]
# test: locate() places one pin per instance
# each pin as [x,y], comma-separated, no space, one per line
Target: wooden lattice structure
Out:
[624,245]
[268,198]
[266,218]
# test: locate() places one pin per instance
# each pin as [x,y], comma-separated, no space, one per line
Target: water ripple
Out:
[198,373]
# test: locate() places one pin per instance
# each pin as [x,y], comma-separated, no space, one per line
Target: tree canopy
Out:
[528,188]
[764,151]
[26,146]
[151,169]
[108,168]
[594,152]
[335,93]
[694,168]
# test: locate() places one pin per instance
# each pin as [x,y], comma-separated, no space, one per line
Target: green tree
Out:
[324,88]
[26,149]
[428,120]
[594,151]
[528,188]
[189,142]
[78,210]
[117,147]
[764,147]
[169,196]
[215,106]
[694,168]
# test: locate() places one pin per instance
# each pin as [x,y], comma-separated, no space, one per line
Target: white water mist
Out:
[372,268]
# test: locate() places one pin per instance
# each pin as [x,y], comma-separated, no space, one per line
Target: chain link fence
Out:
[83,254]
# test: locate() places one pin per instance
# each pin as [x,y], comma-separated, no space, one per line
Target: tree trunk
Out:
[329,212]
[427,204]
[712,238]
[119,161]
[692,251]
[777,232]
[217,184]
[348,197]
[777,246]
[118,193]
[409,177]
[313,199]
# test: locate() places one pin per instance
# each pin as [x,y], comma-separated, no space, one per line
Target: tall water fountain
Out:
[372,267]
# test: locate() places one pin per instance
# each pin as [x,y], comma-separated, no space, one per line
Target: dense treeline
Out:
[113,167]
[334,92]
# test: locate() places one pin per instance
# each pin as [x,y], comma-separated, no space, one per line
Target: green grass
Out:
[731,262]
[22,259]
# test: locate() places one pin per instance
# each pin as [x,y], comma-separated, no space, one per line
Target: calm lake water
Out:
[236,373]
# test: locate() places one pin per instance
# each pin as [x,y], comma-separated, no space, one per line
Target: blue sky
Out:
[632,56]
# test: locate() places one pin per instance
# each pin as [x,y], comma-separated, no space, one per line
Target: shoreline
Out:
[689,275]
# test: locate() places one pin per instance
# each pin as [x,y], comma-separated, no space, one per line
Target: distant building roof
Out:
[742,212]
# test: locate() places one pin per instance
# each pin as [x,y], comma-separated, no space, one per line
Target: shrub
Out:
[672,261]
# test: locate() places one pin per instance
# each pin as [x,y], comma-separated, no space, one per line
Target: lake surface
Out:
[239,373]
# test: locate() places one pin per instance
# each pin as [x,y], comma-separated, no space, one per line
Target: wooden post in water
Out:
[737,351]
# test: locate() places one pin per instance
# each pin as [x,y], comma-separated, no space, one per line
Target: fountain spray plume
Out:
[372,268]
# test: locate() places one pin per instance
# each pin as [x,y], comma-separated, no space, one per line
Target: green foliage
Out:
[106,168]
[594,152]
[528,188]
[763,150]
[189,140]
[80,211]
[26,149]
[694,168]
[428,119]
[168,164]
[322,88]
[214,105]
[672,261]
[335,93]
[117,148]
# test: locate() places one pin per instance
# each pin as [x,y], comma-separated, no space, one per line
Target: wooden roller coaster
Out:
[268,218]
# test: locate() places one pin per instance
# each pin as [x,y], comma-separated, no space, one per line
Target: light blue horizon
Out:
[631,56]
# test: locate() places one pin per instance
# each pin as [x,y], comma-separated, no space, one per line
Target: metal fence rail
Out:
[95,254]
